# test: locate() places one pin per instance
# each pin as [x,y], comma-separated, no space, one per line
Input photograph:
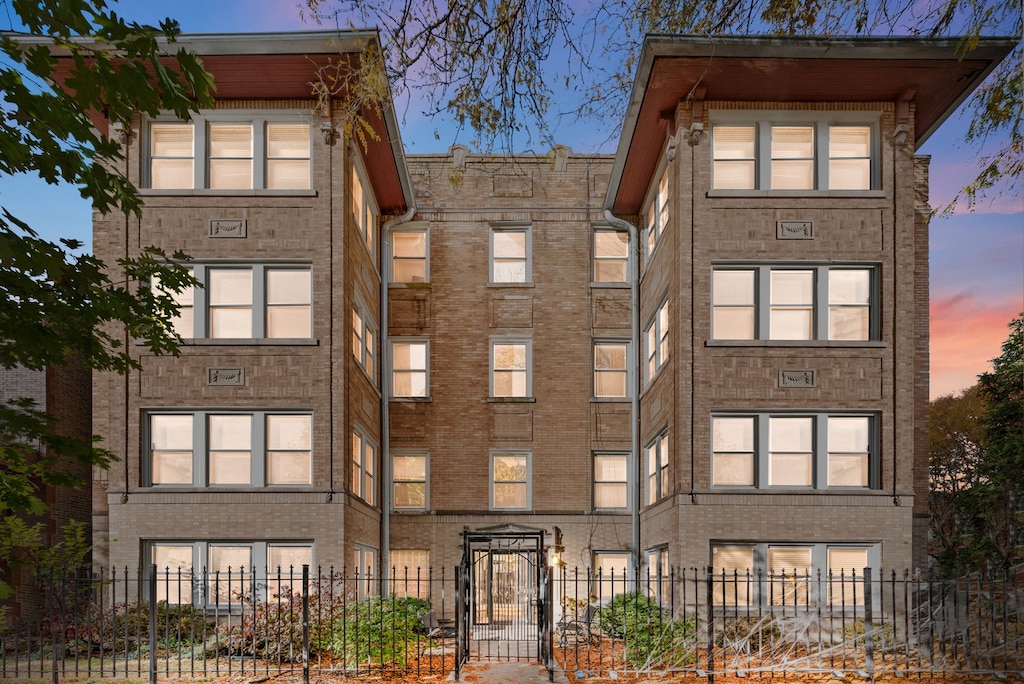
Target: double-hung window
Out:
[510,254]
[410,363]
[364,207]
[792,575]
[511,368]
[242,301]
[795,302]
[409,481]
[364,343]
[225,448]
[656,341]
[223,151]
[610,370]
[510,481]
[816,450]
[611,481]
[409,252]
[656,455]
[364,467]
[364,570]
[805,151]
[226,573]
[611,256]
[658,574]
[657,212]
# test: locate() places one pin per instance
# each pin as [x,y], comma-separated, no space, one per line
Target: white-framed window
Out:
[364,570]
[410,368]
[364,207]
[789,449]
[510,480]
[510,254]
[657,212]
[229,151]
[802,151]
[792,575]
[611,480]
[409,472]
[656,456]
[243,301]
[228,448]
[410,252]
[656,349]
[234,570]
[611,255]
[611,374]
[410,573]
[364,341]
[364,467]
[659,586]
[795,302]
[511,363]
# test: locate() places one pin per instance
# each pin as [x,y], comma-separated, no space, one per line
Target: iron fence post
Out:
[709,577]
[152,623]
[869,643]
[305,623]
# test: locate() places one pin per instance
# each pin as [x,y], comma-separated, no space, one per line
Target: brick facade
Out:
[459,200]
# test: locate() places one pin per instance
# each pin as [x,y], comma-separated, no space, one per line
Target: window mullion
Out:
[821,155]
[763,150]
[820,442]
[259,301]
[200,452]
[258,459]
[259,153]
[201,161]
[762,297]
[761,450]
[200,305]
[821,303]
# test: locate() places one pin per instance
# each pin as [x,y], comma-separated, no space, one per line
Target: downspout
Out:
[385,396]
[634,382]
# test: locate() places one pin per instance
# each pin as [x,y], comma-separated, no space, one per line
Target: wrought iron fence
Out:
[170,623]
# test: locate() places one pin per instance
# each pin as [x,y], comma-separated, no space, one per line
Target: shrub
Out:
[652,637]
[379,630]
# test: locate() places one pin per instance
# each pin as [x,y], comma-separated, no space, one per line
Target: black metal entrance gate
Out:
[504,603]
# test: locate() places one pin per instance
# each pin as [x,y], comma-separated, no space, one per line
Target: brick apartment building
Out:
[708,349]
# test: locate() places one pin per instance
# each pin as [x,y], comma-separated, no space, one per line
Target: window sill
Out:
[410,511]
[512,285]
[409,286]
[845,344]
[411,400]
[242,341]
[612,286]
[813,194]
[511,400]
[211,192]
[609,400]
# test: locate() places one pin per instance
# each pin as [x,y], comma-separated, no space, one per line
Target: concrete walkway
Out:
[508,672]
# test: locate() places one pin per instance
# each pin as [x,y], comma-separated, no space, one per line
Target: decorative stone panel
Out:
[228,228]
[225,377]
[794,230]
[796,378]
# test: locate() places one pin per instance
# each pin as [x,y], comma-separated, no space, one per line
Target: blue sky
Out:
[977,258]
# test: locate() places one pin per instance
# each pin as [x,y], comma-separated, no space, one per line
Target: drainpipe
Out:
[385,394]
[634,383]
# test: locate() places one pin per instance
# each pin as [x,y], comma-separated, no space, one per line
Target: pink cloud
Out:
[967,332]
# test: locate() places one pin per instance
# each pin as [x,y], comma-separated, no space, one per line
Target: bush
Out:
[378,630]
[652,637]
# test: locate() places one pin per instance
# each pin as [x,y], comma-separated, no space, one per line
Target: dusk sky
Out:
[977,258]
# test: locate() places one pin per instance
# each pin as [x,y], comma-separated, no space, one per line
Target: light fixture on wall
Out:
[557,550]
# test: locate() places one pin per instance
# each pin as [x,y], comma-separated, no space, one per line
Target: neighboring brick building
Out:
[744,385]
[63,392]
